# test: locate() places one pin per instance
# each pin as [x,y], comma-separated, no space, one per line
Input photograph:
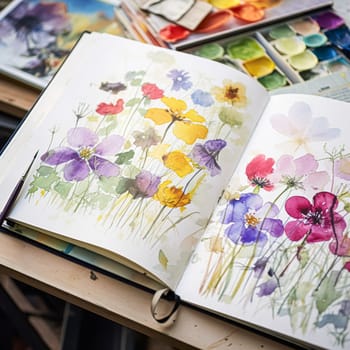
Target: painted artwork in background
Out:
[36,35]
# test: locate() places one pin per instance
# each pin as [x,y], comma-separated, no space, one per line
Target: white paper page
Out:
[137,151]
[277,252]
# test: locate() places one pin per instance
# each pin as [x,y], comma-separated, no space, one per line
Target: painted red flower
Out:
[316,222]
[152,91]
[110,108]
[258,171]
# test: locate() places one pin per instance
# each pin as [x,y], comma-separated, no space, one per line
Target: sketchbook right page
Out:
[276,254]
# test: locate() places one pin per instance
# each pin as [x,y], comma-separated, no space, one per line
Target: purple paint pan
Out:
[328,20]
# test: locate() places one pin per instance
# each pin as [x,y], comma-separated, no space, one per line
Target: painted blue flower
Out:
[250,221]
[202,98]
[181,80]
[267,288]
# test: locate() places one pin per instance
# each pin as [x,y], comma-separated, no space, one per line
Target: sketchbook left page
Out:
[135,152]
[36,36]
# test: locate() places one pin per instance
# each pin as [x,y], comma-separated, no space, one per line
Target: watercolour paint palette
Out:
[309,47]
[246,54]
[296,51]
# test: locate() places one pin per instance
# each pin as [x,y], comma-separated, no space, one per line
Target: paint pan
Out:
[339,37]
[212,51]
[273,81]
[290,46]
[305,26]
[303,61]
[325,53]
[260,66]
[315,40]
[328,20]
[244,49]
[282,31]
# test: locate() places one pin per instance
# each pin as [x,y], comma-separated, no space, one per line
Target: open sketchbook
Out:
[187,171]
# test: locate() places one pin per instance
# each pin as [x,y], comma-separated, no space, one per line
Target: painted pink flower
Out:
[258,171]
[152,91]
[301,127]
[299,172]
[316,222]
[110,108]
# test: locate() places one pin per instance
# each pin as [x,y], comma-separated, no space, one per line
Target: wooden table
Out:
[108,297]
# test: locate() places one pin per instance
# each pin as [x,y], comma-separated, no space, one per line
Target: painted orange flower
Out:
[171,196]
[187,125]
[233,93]
[178,162]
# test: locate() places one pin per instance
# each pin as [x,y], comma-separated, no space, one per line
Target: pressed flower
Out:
[233,93]
[206,155]
[301,127]
[202,98]
[186,126]
[316,222]
[250,221]
[258,171]
[181,80]
[85,155]
[152,91]
[178,162]
[145,185]
[110,108]
[172,196]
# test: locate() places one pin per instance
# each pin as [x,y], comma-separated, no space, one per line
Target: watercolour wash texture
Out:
[235,200]
[36,35]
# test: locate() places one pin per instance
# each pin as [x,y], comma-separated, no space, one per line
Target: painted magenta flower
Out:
[251,221]
[187,125]
[206,155]
[172,196]
[258,171]
[110,108]
[315,222]
[232,93]
[299,172]
[85,155]
[180,78]
[178,162]
[301,127]
[145,185]
[151,91]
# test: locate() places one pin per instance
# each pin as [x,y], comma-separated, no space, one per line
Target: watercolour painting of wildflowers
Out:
[189,172]
[277,252]
[130,153]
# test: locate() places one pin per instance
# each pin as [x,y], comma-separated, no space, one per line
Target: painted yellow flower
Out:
[171,196]
[233,93]
[178,162]
[187,125]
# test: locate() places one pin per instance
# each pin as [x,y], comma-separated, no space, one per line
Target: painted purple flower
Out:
[202,98]
[180,78]
[316,222]
[267,288]
[145,185]
[86,155]
[206,155]
[250,221]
